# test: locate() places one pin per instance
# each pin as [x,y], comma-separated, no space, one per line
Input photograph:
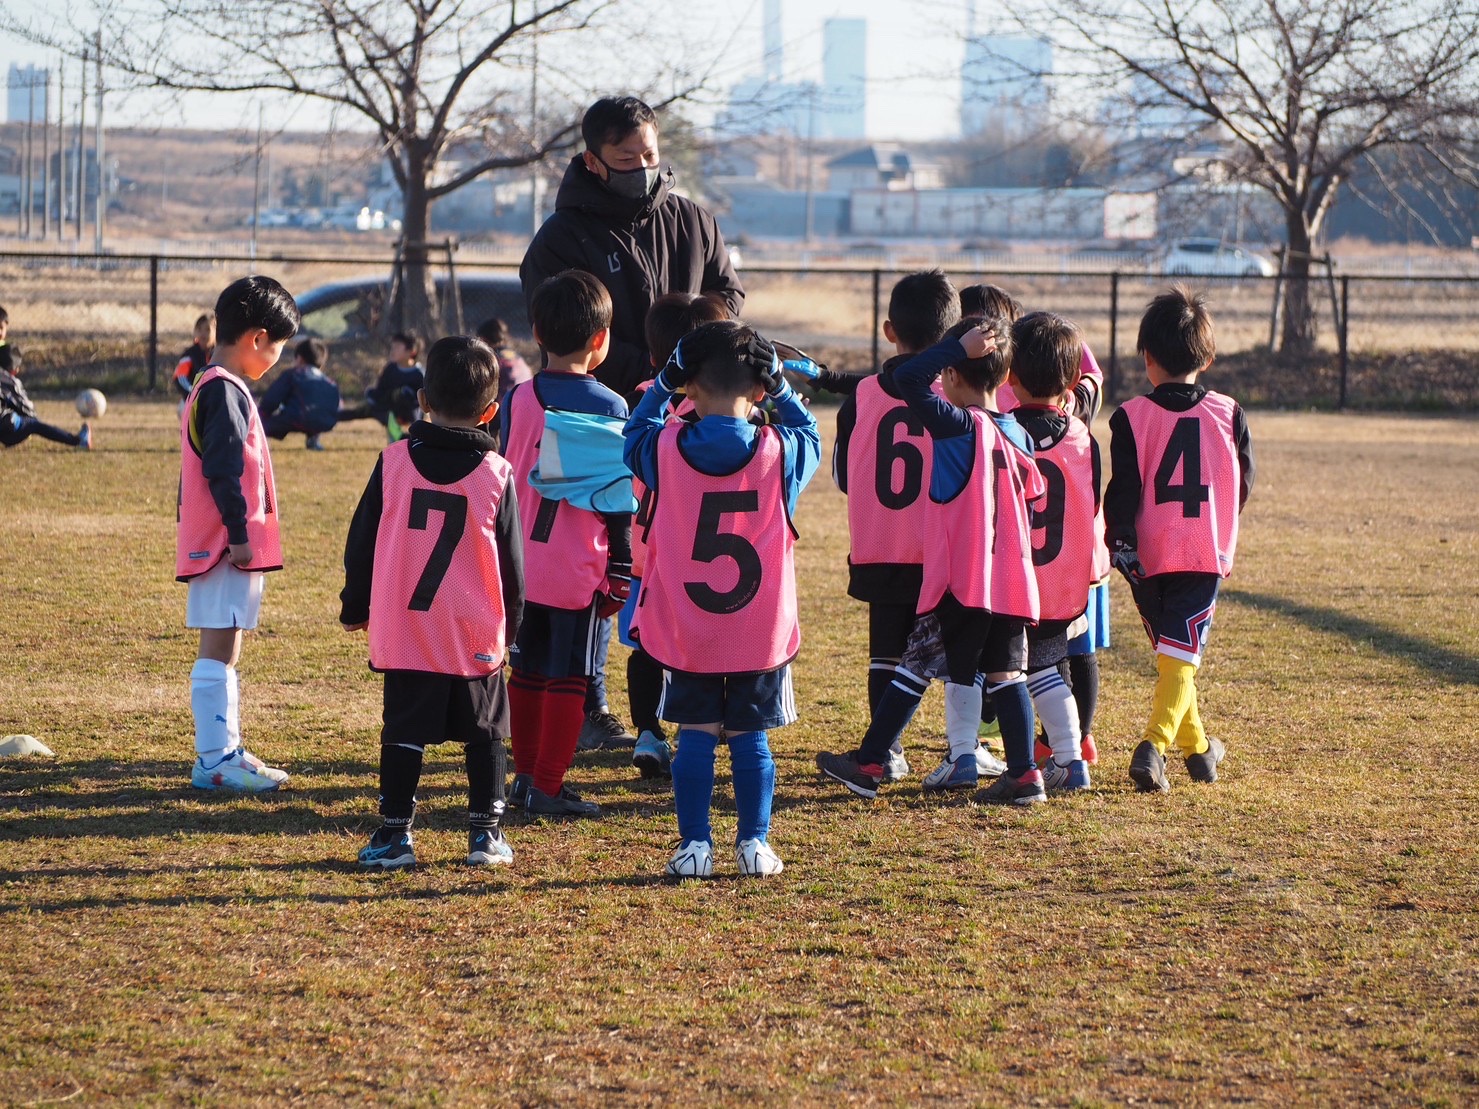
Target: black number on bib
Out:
[453,507]
[998,469]
[1185,446]
[892,449]
[544,520]
[1049,518]
[711,544]
[643,517]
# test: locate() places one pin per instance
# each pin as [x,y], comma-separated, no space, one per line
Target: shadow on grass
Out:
[1441,662]
[230,900]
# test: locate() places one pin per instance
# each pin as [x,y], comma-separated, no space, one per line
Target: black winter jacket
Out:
[638,249]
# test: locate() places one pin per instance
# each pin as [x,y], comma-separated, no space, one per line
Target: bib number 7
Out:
[453,507]
[710,544]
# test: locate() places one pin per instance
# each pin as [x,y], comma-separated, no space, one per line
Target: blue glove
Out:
[802,367]
[1127,561]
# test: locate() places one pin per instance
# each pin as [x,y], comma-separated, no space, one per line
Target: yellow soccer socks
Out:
[1173,709]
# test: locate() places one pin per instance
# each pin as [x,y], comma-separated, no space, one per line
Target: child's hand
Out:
[361,626]
[978,343]
[239,554]
[1127,561]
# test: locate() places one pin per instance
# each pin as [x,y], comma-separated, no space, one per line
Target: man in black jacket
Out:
[617,217]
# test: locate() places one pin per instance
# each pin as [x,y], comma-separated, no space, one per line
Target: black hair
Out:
[313,351]
[728,358]
[988,371]
[494,332]
[989,300]
[255,303]
[205,319]
[674,315]
[1176,331]
[611,119]
[567,309]
[921,307]
[408,339]
[1046,353]
[4,316]
[461,377]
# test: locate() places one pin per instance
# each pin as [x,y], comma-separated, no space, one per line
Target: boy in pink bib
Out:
[1182,471]
[434,568]
[227,534]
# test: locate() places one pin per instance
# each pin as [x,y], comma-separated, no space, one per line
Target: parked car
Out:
[351,309]
[1209,257]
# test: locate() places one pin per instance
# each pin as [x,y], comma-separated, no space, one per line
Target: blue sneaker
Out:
[1068,777]
[487,847]
[84,438]
[896,769]
[652,756]
[962,773]
[389,849]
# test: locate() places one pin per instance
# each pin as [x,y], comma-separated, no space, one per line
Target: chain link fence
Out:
[119,322]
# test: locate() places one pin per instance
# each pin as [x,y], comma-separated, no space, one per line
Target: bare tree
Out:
[1298,91]
[430,77]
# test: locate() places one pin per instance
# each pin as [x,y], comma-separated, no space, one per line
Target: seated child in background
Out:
[512,369]
[671,317]
[718,606]
[1182,471]
[579,561]
[228,537]
[302,399]
[197,355]
[1068,552]
[392,398]
[18,420]
[434,568]
[978,581]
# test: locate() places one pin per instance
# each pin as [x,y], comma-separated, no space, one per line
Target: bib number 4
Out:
[1185,447]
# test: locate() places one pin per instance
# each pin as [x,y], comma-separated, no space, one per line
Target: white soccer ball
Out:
[91,404]
[693,859]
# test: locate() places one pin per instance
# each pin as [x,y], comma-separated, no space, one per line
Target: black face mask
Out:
[631,184]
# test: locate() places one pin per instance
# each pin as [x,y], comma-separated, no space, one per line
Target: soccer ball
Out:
[693,859]
[91,404]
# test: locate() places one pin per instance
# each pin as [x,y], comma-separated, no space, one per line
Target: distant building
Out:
[880,166]
[1004,83]
[26,87]
[843,112]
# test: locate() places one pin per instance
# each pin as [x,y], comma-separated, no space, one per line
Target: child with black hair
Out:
[579,568]
[978,582]
[434,569]
[512,369]
[18,420]
[302,399]
[392,398]
[227,534]
[671,317]
[197,355]
[718,606]
[1183,469]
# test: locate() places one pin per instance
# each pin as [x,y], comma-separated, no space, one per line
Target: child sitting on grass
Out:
[302,399]
[434,568]
[718,607]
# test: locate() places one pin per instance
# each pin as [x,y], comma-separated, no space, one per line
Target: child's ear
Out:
[488,413]
[421,400]
[537,339]
[888,331]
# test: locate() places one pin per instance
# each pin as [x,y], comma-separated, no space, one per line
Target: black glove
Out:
[675,375]
[1127,561]
[760,354]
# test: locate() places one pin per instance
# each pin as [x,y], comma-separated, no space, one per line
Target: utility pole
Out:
[811,134]
[81,180]
[100,212]
[46,158]
[28,189]
[257,185]
[536,179]
[61,150]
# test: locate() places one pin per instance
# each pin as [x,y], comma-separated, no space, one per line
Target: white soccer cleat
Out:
[278,776]
[987,764]
[756,860]
[231,773]
[693,859]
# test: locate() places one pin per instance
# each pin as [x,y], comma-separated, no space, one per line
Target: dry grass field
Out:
[1303,932]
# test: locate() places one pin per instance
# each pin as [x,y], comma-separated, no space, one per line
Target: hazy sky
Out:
[914,55]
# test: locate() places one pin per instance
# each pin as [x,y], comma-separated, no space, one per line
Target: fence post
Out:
[877,323]
[1111,380]
[153,320]
[1343,331]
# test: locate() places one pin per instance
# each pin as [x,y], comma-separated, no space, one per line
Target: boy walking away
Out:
[18,420]
[718,606]
[434,568]
[228,536]
[1182,471]
[1068,552]
[197,355]
[302,399]
[579,568]
[978,582]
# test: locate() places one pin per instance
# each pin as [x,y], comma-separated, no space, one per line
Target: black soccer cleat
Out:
[1148,769]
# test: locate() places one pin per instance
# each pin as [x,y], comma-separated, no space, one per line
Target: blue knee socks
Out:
[693,783]
[754,783]
[1014,714]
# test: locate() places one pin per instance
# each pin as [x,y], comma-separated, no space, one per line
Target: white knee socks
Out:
[1058,712]
[962,717]
[213,701]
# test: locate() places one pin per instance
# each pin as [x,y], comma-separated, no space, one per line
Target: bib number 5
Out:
[711,544]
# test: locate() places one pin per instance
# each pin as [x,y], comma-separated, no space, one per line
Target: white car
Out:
[1210,257]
